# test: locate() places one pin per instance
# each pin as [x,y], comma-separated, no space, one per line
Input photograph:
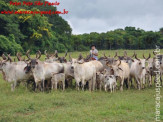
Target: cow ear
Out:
[120,68]
[65,60]
[25,68]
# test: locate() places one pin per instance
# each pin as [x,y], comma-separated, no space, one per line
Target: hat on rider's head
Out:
[93,45]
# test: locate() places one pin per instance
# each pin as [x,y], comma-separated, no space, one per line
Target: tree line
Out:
[18,33]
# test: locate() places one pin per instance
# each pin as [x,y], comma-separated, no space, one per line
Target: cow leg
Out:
[13,86]
[36,85]
[121,84]
[52,85]
[110,88]
[93,82]
[100,86]
[55,85]
[128,81]
[43,85]
[150,80]
[83,84]
[90,85]
[105,88]
[63,84]
[131,83]
[138,82]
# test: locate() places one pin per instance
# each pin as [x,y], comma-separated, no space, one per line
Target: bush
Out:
[9,45]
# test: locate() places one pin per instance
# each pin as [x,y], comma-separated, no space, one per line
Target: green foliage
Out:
[52,32]
[9,45]
[129,38]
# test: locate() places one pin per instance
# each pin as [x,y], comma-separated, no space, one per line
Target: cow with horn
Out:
[42,71]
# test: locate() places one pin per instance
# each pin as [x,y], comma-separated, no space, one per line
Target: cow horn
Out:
[125,53]
[4,57]
[56,54]
[80,56]
[119,63]
[18,55]
[87,58]
[105,55]
[149,56]
[115,54]
[137,57]
[133,54]
[45,52]
[27,54]
[9,57]
[38,55]
[70,58]
[65,54]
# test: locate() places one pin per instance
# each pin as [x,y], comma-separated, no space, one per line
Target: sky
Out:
[87,16]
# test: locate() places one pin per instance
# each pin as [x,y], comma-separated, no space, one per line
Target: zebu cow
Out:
[84,71]
[69,73]
[50,58]
[121,70]
[14,72]
[136,70]
[42,71]
[110,61]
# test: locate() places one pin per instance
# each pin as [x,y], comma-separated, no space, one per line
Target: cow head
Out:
[141,62]
[108,78]
[116,69]
[73,61]
[110,60]
[4,60]
[33,61]
[51,57]
[63,59]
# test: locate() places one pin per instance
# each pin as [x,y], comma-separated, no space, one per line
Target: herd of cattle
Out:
[100,74]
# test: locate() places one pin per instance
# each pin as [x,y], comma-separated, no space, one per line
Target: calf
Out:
[99,79]
[121,70]
[110,81]
[56,78]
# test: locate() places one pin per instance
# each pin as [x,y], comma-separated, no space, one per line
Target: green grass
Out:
[71,105]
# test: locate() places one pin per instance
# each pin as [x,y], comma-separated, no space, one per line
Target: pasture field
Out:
[72,106]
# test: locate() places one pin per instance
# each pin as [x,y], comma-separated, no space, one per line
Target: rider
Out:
[94,52]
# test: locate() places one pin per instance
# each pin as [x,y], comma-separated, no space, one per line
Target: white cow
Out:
[42,70]
[14,72]
[137,69]
[110,81]
[84,71]
[121,70]
[56,78]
